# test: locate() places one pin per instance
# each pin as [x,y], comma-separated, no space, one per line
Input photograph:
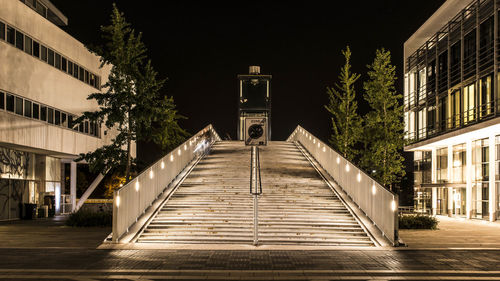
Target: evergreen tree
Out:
[384,136]
[346,122]
[132,102]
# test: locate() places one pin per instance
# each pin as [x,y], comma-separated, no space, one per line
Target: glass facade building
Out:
[452,121]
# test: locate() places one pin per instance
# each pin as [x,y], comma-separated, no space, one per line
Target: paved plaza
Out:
[48,250]
[455,233]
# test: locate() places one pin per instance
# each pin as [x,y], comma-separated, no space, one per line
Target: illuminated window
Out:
[486,96]
[442,165]
[469,102]
[480,178]
[459,163]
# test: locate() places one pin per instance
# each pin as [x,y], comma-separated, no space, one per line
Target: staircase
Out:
[213,204]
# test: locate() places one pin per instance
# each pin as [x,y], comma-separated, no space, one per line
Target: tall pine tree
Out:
[346,123]
[384,136]
[132,103]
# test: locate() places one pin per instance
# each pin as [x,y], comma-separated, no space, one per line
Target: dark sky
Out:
[202,47]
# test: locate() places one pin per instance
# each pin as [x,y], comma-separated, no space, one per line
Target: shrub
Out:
[417,222]
[86,218]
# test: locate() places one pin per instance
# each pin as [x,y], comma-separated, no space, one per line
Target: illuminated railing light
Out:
[319,144]
[347,168]
[310,137]
[338,160]
[117,201]
[307,134]
[151,174]
[374,189]
[324,148]
[314,140]
[171,158]
[179,152]
[185,147]
[393,205]
[137,186]
[359,177]
[162,165]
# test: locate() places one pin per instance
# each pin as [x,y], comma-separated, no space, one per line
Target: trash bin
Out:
[29,211]
[43,211]
[50,201]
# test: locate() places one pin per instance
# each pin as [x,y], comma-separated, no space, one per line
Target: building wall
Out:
[452,113]
[29,77]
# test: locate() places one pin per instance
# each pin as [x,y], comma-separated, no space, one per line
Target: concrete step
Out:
[213,204]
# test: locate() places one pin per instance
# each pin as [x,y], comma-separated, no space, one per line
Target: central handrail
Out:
[255,186]
[255,190]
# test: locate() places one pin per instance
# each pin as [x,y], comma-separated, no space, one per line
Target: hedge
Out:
[86,218]
[417,221]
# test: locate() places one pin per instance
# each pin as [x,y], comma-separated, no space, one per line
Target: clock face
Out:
[255,131]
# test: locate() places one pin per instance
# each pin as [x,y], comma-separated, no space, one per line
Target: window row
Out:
[36,49]
[37,6]
[434,70]
[37,111]
[457,108]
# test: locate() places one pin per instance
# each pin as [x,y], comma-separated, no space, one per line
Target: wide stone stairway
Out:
[214,205]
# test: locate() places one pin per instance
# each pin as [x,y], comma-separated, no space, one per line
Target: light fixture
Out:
[393,205]
[324,148]
[171,158]
[179,152]
[151,174]
[162,165]
[359,177]
[185,147]
[347,168]
[338,160]
[374,190]
[118,201]
[314,140]
[137,186]
[319,144]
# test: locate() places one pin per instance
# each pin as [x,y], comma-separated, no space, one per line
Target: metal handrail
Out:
[255,158]
[255,190]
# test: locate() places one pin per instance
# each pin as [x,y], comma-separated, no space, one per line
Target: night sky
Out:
[202,47]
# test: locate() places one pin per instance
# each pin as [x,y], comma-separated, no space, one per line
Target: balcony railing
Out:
[457,121]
